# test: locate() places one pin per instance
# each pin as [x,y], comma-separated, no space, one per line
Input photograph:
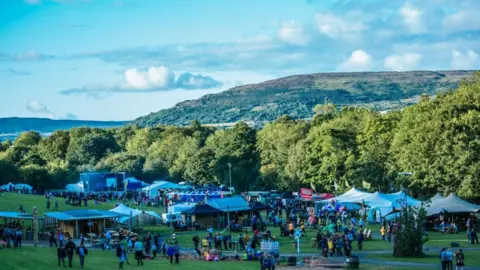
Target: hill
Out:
[297,95]
[13,125]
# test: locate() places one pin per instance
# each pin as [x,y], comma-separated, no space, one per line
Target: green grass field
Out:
[11,202]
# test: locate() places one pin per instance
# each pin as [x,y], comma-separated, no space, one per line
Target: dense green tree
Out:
[55,146]
[275,143]
[122,162]
[35,175]
[88,146]
[142,140]
[30,138]
[236,146]
[8,172]
[199,168]
[374,141]
[161,155]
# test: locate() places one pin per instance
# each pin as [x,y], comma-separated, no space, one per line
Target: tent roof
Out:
[378,199]
[74,187]
[353,195]
[451,204]
[82,215]
[437,196]
[229,204]
[179,208]
[395,197]
[163,185]
[19,185]
[16,215]
[201,209]
[128,212]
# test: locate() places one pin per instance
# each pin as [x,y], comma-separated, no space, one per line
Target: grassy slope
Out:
[297,95]
[11,202]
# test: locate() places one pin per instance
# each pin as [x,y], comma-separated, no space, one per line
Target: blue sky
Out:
[121,59]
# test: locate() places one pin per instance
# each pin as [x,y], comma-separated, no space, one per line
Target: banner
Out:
[366,185]
[306,193]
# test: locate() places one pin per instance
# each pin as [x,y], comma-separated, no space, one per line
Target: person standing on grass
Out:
[61,254]
[122,255]
[52,239]
[360,239]
[474,236]
[171,253]
[82,252]
[61,238]
[449,259]
[382,232]
[177,253]
[70,248]
[459,257]
[139,252]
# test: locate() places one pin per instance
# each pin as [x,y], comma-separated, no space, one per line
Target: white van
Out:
[171,217]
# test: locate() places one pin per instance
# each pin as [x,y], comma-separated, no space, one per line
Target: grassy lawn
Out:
[45,258]
[11,202]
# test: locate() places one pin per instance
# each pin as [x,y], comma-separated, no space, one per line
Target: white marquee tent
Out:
[22,186]
[398,196]
[451,204]
[78,187]
[437,197]
[352,196]
[152,190]
[7,186]
[141,217]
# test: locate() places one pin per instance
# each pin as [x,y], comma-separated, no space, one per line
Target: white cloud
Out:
[402,62]
[136,79]
[358,61]
[154,79]
[334,26]
[38,108]
[69,116]
[292,32]
[413,18]
[468,60]
[462,21]
[161,76]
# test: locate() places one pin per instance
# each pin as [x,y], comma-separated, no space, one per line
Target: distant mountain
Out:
[13,125]
[297,95]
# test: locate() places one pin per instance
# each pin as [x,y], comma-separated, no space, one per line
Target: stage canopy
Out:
[451,204]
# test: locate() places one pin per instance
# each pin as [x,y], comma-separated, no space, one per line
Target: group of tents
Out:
[11,187]
[382,205]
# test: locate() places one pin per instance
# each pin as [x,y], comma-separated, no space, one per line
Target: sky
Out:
[122,59]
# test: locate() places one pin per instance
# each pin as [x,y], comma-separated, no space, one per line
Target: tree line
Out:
[436,141]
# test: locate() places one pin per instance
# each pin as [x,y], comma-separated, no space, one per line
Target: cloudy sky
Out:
[120,59]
